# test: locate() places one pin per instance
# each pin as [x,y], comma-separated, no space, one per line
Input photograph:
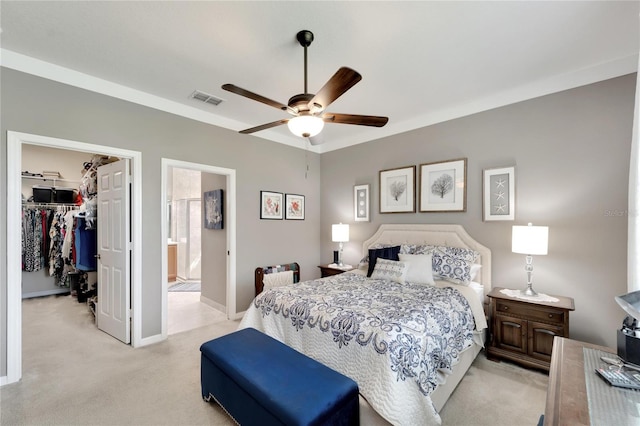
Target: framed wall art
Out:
[271,205]
[361,203]
[443,186]
[294,207]
[398,190]
[213,209]
[498,194]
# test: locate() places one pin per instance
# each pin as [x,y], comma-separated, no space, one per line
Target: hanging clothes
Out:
[86,243]
[32,236]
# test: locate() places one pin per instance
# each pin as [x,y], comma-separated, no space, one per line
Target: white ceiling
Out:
[421,62]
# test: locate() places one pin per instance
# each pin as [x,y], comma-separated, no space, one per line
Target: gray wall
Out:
[571,156]
[571,152]
[38,106]
[214,247]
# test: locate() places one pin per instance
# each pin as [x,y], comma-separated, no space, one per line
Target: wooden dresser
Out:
[567,392]
[523,330]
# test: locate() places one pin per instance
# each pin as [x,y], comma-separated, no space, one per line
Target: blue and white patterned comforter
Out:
[397,341]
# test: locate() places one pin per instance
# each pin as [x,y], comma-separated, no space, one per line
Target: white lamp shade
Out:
[340,233]
[530,239]
[305,126]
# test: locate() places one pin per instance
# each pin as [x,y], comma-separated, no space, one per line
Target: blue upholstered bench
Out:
[260,381]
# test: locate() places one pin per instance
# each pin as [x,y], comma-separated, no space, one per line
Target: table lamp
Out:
[340,234]
[530,240]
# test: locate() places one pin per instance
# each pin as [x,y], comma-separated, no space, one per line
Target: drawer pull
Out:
[506,308]
[550,315]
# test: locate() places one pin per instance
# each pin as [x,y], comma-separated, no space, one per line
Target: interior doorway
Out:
[183,230]
[15,142]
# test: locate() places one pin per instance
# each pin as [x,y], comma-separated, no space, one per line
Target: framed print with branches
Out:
[443,186]
[498,194]
[361,203]
[295,207]
[270,205]
[398,190]
[213,209]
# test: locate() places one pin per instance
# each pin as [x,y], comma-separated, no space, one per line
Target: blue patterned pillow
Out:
[390,253]
[453,264]
[390,270]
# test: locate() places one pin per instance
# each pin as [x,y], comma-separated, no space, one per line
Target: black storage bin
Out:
[42,194]
[63,195]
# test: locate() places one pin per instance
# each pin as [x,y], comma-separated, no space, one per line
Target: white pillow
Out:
[390,270]
[420,268]
[475,268]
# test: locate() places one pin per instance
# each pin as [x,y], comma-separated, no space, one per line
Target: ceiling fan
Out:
[308,109]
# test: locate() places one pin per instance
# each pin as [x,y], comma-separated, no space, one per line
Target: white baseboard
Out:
[45,293]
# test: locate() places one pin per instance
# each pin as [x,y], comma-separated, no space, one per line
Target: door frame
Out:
[230,225]
[15,140]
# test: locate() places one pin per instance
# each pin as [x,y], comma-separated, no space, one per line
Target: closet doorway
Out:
[15,143]
[198,262]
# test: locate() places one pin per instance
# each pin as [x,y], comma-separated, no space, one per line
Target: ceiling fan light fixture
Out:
[305,126]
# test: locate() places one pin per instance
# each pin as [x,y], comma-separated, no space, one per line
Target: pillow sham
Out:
[390,270]
[389,253]
[420,268]
[451,268]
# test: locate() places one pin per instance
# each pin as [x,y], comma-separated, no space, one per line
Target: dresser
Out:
[567,392]
[522,330]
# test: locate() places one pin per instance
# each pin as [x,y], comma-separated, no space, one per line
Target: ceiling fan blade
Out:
[343,80]
[360,120]
[247,94]
[264,126]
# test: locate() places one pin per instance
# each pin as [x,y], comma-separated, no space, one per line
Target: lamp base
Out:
[529,291]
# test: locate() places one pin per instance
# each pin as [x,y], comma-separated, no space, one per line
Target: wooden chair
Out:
[262,270]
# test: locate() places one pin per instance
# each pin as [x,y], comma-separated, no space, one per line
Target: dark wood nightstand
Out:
[327,271]
[523,330]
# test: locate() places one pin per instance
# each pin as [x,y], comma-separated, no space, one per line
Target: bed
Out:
[406,356]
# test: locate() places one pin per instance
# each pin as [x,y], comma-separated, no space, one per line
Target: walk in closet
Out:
[59,222]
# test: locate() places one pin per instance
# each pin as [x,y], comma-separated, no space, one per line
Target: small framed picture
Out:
[361,203]
[443,186]
[213,209]
[398,190]
[295,207]
[498,194]
[270,205]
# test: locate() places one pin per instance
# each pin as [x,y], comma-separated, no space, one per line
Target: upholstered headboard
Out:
[442,235]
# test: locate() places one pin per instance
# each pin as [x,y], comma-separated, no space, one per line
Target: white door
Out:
[114,292]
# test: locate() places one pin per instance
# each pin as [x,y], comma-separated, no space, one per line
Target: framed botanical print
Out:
[213,209]
[443,186]
[397,190]
[270,205]
[361,203]
[498,197]
[294,207]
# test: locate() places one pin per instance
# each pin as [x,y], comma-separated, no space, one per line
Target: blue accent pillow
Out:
[389,253]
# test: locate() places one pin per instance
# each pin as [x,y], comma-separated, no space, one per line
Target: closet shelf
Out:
[54,180]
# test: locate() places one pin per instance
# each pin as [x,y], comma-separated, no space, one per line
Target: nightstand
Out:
[327,270]
[523,330]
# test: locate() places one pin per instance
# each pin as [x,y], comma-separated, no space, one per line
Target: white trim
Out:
[603,71]
[230,225]
[37,67]
[15,140]
[215,305]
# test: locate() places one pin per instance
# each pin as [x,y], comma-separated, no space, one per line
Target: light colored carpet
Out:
[73,374]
